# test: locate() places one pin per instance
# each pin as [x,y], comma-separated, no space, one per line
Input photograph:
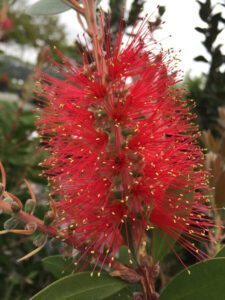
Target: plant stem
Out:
[95,32]
[28,218]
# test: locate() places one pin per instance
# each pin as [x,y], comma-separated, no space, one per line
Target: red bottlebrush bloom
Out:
[123,149]
[6,24]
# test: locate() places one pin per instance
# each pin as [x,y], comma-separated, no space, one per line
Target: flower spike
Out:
[123,149]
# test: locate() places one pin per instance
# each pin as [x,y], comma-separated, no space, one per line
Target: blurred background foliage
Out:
[19,141]
[208,91]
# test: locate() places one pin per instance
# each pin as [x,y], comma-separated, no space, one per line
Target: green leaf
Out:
[58,265]
[217,59]
[82,286]
[161,10]
[206,281]
[221,253]
[47,7]
[201,30]
[123,255]
[125,294]
[205,10]
[135,10]
[160,244]
[201,58]
[219,197]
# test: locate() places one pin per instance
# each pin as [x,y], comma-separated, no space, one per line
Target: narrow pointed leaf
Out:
[220,190]
[82,286]
[201,30]
[160,245]
[125,294]
[206,281]
[205,10]
[58,265]
[221,253]
[47,7]
[201,58]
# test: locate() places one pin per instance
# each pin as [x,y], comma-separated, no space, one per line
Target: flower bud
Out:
[1,189]
[40,239]
[155,270]
[138,296]
[49,217]
[31,226]
[29,206]
[8,200]
[11,223]
[15,208]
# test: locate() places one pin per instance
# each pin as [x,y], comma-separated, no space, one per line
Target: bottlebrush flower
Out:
[123,149]
[7,24]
